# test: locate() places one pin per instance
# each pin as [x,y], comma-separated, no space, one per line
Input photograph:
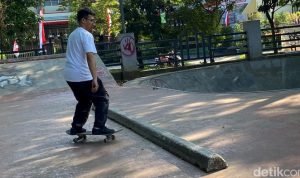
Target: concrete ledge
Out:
[201,157]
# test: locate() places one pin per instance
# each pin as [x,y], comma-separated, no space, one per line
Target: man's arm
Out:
[92,66]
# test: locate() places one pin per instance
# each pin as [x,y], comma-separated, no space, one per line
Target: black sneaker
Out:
[102,131]
[75,131]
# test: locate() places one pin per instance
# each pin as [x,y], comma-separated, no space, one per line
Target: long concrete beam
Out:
[201,157]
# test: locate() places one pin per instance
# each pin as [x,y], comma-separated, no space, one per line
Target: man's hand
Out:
[95,86]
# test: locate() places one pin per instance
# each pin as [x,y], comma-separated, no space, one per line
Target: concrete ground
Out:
[34,144]
[251,131]
[255,132]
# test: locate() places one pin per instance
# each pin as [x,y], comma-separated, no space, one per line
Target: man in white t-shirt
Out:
[80,74]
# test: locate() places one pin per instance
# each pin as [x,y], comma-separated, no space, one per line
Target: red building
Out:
[56,18]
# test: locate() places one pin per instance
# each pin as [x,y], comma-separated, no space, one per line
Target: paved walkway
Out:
[34,144]
[252,131]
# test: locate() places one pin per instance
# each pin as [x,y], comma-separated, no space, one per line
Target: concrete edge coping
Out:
[203,158]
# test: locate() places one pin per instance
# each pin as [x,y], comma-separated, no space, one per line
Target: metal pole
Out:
[122,15]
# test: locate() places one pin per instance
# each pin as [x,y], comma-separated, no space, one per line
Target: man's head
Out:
[86,19]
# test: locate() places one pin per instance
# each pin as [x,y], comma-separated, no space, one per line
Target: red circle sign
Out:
[127,46]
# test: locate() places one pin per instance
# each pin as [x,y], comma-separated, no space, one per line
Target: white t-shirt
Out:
[79,43]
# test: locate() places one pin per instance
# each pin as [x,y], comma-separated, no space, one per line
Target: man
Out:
[81,75]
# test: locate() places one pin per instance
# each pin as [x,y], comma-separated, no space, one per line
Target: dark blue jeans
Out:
[85,97]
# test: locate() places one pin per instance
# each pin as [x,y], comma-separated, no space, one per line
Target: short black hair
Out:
[83,13]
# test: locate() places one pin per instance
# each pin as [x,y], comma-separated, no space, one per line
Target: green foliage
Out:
[100,9]
[197,20]
[269,7]
[143,18]
[17,21]
[293,18]
[203,16]
[2,18]
[183,17]
[256,16]
[224,39]
[237,28]
[296,5]
[282,18]
[3,57]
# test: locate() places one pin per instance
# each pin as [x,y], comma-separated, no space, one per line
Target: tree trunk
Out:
[274,43]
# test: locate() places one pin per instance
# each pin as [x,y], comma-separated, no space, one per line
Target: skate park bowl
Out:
[276,73]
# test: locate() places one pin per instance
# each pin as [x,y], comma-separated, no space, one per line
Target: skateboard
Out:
[82,136]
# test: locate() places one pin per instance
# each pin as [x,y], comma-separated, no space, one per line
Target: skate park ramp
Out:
[40,75]
[250,130]
[258,75]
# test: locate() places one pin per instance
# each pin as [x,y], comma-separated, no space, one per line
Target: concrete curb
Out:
[201,157]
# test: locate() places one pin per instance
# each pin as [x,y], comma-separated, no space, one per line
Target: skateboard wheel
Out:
[109,138]
[79,139]
[106,140]
[75,140]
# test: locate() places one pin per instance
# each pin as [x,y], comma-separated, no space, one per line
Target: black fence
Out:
[201,48]
[5,55]
[157,52]
[186,50]
[287,39]
[53,46]
[210,47]
[110,53]
[172,52]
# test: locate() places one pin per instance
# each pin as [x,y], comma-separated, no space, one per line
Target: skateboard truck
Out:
[81,137]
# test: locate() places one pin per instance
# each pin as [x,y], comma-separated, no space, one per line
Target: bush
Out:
[3,57]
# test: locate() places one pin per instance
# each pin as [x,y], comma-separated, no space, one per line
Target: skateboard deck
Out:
[81,137]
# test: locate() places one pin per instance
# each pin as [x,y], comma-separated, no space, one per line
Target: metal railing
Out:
[53,46]
[154,52]
[287,39]
[212,46]
[177,52]
[191,48]
[227,45]
[110,53]
[6,55]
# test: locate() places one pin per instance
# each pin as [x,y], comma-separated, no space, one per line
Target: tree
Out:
[17,21]
[149,18]
[143,17]
[269,7]
[104,26]
[204,16]
[295,5]
[136,19]
[100,8]
[2,25]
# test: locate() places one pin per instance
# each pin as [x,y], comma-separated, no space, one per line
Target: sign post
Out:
[128,51]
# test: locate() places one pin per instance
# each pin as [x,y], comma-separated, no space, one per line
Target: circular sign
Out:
[127,46]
